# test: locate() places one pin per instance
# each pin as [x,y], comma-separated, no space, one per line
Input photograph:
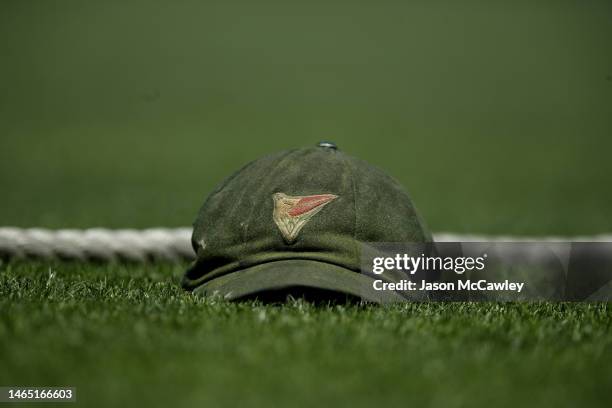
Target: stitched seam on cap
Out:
[354,188]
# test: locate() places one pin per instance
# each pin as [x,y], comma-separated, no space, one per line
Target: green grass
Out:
[129,335]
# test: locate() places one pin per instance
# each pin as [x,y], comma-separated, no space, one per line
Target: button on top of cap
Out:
[329,145]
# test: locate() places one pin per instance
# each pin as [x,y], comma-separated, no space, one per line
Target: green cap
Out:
[295,220]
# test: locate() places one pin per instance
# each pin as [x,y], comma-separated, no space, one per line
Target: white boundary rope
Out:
[97,244]
[169,244]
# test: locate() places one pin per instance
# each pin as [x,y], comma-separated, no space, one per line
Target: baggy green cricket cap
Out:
[295,220]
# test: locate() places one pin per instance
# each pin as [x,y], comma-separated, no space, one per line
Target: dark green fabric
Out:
[235,230]
[295,273]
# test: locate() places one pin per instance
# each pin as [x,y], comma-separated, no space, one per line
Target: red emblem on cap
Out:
[291,213]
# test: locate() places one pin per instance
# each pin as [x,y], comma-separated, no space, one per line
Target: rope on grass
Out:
[167,244]
[97,244]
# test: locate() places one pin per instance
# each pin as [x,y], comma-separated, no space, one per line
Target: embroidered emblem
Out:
[291,213]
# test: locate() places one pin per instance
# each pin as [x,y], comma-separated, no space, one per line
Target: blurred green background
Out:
[496,115]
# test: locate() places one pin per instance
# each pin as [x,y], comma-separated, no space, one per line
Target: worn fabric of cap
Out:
[297,218]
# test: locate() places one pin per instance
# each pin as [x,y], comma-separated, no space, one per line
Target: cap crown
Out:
[314,203]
